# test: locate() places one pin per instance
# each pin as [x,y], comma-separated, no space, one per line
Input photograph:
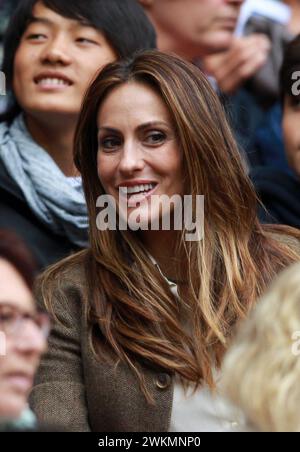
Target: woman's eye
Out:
[155,138]
[110,143]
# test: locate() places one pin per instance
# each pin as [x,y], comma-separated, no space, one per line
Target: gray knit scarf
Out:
[57,200]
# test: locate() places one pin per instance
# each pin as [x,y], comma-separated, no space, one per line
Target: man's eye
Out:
[155,138]
[36,37]
[86,41]
[110,143]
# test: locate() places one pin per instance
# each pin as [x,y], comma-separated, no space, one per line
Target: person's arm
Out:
[58,397]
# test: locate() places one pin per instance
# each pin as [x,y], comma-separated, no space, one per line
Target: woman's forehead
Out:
[133,100]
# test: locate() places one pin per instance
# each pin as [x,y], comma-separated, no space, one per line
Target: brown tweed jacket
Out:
[76,390]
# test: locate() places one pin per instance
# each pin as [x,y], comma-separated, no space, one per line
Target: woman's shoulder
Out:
[69,270]
[62,286]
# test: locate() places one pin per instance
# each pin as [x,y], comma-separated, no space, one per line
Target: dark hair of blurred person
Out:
[14,250]
[53,49]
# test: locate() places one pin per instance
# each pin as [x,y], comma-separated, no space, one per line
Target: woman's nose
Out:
[132,158]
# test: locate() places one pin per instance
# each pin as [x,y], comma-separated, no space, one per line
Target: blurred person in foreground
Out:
[23,334]
[261,370]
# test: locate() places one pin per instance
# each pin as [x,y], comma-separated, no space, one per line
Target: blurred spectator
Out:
[250,106]
[23,333]
[268,145]
[261,370]
[49,63]
[193,29]
[279,187]
[262,23]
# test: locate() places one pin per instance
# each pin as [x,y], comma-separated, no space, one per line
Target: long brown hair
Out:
[130,303]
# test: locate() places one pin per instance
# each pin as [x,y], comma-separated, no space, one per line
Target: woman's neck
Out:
[161,245]
[57,139]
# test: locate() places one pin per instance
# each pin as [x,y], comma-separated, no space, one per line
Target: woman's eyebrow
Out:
[146,125]
[141,127]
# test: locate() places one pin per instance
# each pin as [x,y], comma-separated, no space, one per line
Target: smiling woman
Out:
[53,49]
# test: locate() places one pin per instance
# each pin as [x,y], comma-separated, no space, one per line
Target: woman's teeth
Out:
[137,189]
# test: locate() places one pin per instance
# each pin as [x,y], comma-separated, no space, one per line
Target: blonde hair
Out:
[261,371]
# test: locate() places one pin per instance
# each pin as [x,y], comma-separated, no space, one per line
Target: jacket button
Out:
[163,381]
